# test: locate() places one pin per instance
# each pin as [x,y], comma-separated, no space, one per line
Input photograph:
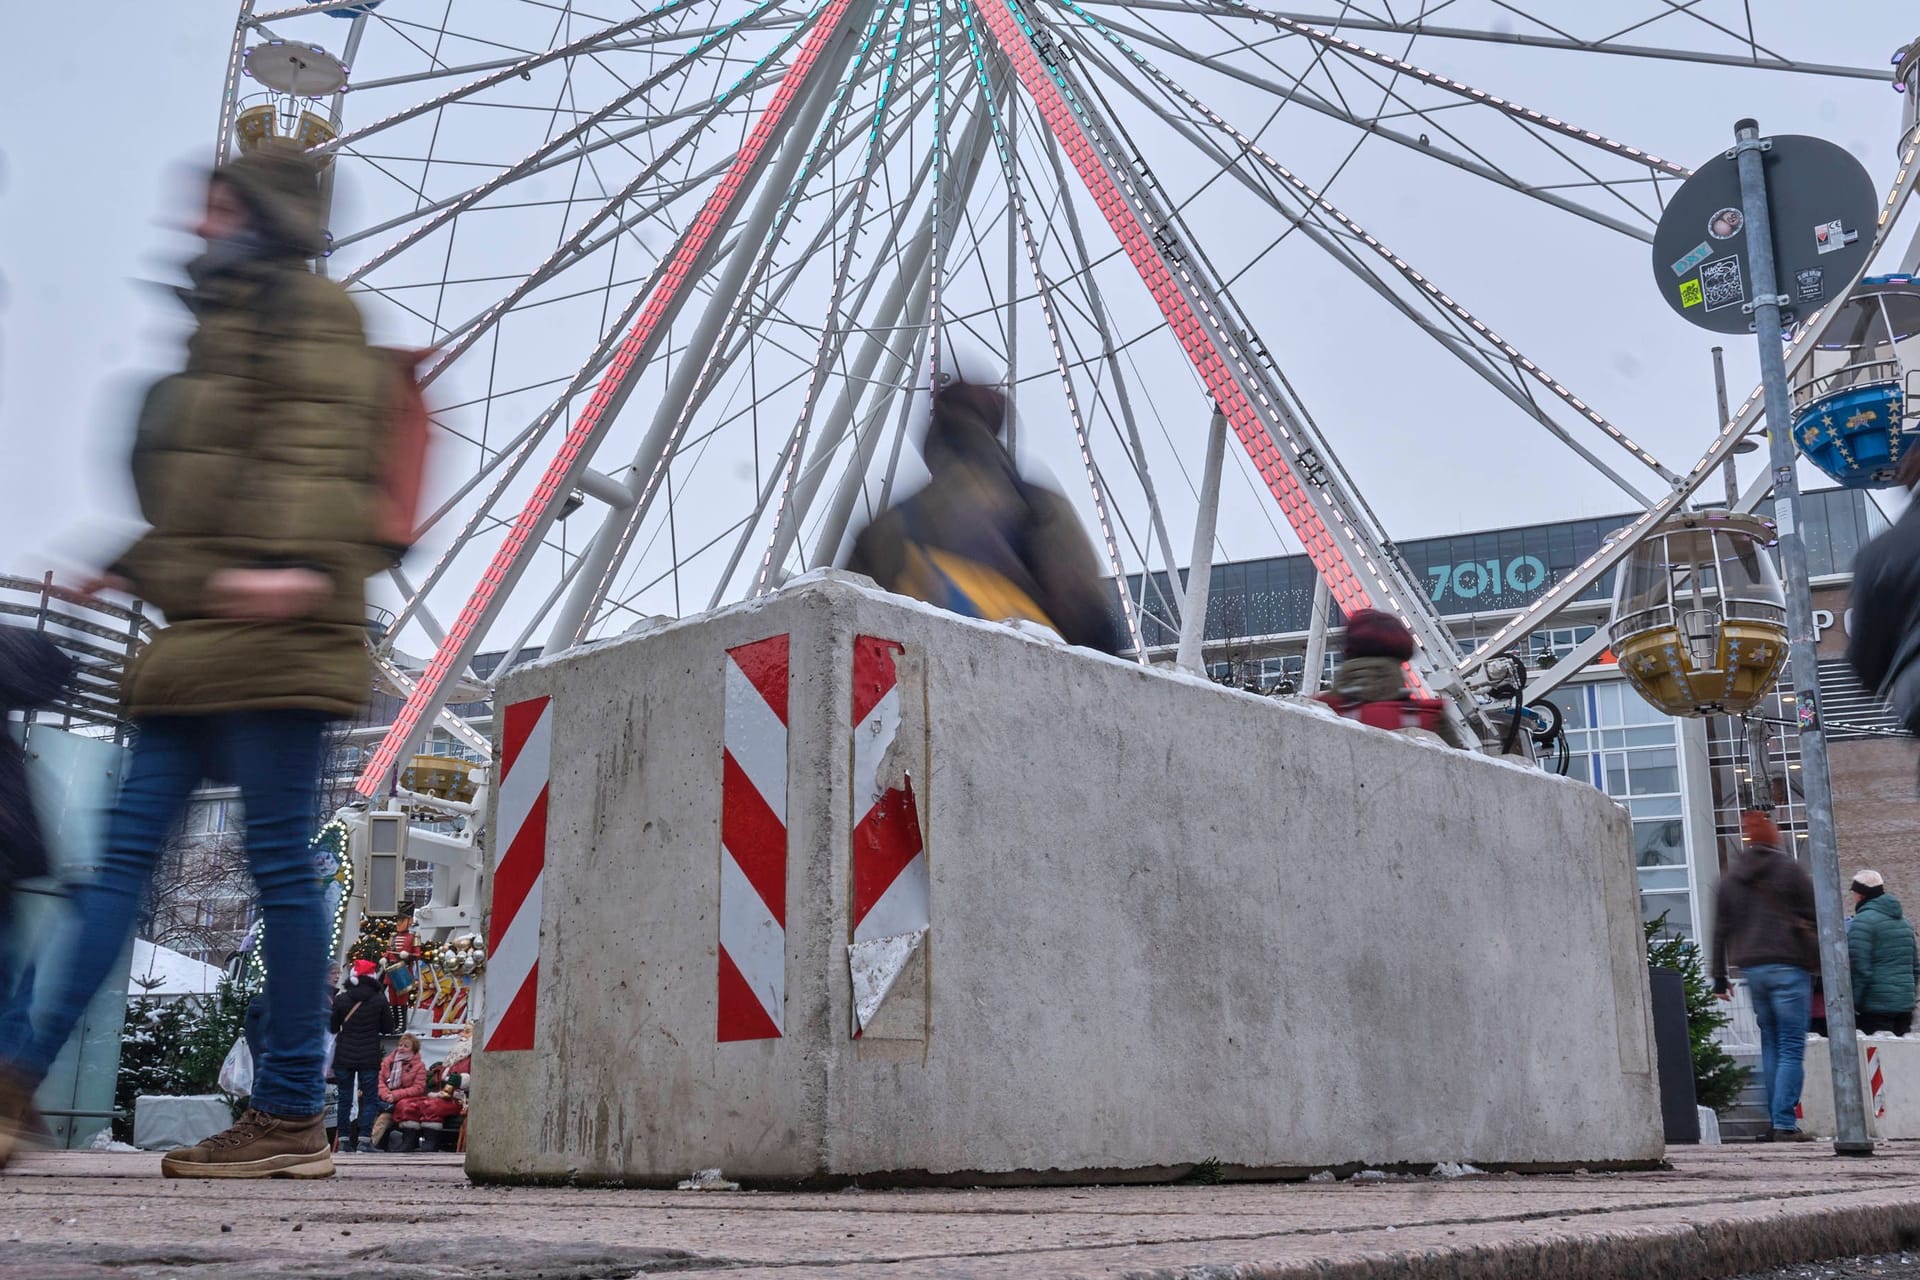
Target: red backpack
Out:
[404,451]
[1396,713]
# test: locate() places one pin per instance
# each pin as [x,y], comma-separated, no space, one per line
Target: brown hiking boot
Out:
[258,1146]
[20,1123]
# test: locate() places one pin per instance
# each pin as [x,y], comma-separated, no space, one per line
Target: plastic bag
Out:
[236,1073]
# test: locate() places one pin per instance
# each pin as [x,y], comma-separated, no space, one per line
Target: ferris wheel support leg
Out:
[1193,612]
[571,618]
[906,295]
[881,336]
[828,44]
[833,528]
[1316,658]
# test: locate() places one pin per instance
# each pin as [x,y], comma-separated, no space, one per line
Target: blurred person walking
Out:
[1763,924]
[256,470]
[982,542]
[33,671]
[1882,958]
[1371,684]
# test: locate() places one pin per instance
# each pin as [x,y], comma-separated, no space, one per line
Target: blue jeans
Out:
[1782,999]
[353,1127]
[274,757]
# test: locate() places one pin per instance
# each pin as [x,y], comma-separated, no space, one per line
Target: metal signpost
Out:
[1721,254]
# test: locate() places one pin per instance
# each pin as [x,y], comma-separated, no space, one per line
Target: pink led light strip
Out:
[1348,591]
[666,287]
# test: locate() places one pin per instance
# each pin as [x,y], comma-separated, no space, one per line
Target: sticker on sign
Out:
[1695,256]
[1720,283]
[1810,284]
[1689,293]
[1831,237]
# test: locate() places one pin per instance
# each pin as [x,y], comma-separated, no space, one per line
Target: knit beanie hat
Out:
[1373,634]
[1868,884]
[1760,829]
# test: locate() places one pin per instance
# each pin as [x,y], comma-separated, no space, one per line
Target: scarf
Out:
[398,1070]
[224,257]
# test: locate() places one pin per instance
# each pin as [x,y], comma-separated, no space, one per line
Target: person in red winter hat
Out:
[357,1013]
[1371,685]
[1763,922]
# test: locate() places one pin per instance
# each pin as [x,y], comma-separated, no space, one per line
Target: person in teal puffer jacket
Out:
[1884,959]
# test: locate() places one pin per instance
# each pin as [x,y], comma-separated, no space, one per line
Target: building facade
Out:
[1683,781]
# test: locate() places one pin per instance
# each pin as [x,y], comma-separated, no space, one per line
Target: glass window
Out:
[1635,709]
[1674,907]
[1654,806]
[1653,773]
[1660,844]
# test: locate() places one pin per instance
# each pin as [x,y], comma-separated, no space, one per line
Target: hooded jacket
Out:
[1364,680]
[1882,955]
[356,1045]
[263,452]
[981,542]
[1763,914]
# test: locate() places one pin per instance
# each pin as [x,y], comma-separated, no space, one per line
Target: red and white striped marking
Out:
[890,891]
[1877,1076]
[513,931]
[753,843]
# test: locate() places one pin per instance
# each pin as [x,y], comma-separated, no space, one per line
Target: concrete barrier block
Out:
[1896,1058]
[1158,922]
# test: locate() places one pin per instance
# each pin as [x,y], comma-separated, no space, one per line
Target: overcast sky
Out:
[98,124]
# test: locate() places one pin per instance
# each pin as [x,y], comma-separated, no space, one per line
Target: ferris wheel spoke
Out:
[1109,355]
[1322,207]
[906,309]
[649,311]
[451,208]
[1017,210]
[515,69]
[1424,29]
[693,377]
[1299,92]
[833,337]
[1340,536]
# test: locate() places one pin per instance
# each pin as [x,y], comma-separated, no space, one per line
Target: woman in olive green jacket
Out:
[257,470]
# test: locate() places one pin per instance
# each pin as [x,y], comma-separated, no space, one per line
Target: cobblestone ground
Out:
[1717,1212]
[1858,1268]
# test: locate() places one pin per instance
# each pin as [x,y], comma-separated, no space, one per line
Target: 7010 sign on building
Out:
[1478,579]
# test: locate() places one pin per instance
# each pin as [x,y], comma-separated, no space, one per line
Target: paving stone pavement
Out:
[1717,1212]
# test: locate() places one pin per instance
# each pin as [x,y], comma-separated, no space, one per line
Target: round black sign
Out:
[1823,206]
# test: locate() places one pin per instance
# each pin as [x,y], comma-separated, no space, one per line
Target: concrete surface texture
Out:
[1718,1212]
[1169,923]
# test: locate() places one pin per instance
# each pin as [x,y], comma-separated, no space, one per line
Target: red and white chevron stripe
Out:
[890,890]
[753,843]
[519,872]
[1877,1075]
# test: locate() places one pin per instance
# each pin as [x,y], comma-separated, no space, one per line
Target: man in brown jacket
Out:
[1764,923]
[256,469]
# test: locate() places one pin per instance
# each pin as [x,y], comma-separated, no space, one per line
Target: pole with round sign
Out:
[1774,229]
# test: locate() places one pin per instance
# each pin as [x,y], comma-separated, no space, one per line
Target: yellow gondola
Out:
[1699,619]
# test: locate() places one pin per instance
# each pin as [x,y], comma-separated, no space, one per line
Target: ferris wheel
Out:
[690,270]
